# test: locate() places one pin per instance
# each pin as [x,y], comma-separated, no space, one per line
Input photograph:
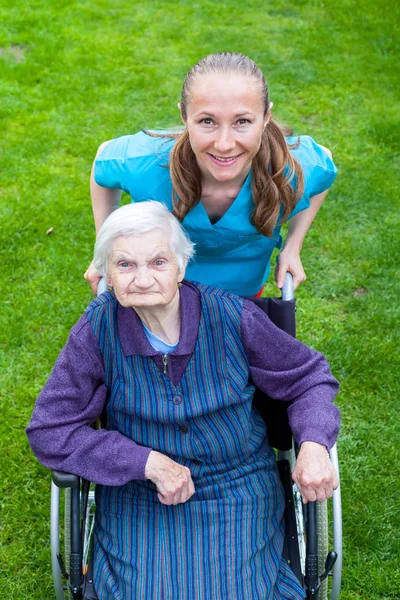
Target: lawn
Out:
[76,73]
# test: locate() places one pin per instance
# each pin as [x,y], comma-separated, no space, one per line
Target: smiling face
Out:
[225,118]
[142,270]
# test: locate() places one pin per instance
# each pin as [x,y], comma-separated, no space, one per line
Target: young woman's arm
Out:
[289,258]
[104,202]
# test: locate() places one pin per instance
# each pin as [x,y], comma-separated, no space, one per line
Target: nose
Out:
[143,279]
[225,140]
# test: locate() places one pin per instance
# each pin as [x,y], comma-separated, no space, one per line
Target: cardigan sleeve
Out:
[288,370]
[74,396]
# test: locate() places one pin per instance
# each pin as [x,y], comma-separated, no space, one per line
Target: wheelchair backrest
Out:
[274,412]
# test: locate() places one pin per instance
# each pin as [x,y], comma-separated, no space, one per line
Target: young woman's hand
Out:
[289,261]
[93,277]
[104,202]
[314,473]
[173,481]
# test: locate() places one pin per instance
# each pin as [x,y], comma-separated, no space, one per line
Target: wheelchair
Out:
[307,526]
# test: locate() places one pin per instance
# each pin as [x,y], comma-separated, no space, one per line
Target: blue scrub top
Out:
[230,254]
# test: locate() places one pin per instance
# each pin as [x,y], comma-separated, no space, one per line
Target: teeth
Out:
[229,159]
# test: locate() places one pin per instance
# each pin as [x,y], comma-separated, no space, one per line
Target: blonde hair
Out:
[277,177]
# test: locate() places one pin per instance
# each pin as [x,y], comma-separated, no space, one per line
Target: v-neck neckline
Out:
[233,210]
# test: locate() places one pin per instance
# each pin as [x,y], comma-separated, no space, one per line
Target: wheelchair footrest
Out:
[89,593]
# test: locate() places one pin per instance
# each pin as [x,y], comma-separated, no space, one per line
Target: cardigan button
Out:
[177,399]
[183,428]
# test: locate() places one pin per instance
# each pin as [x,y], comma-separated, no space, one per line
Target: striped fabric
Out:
[226,541]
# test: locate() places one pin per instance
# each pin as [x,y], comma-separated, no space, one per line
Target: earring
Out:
[179,284]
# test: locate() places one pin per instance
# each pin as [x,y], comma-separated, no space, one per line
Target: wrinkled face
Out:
[225,121]
[143,271]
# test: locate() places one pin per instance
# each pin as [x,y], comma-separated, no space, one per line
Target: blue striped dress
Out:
[226,541]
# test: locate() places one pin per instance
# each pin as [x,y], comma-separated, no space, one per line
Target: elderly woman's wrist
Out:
[141,462]
[150,469]
[312,445]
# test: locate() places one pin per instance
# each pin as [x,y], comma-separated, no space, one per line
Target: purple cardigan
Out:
[75,393]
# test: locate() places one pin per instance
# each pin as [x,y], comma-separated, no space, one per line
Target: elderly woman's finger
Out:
[308,493]
[170,496]
[321,494]
[188,489]
[178,497]
[312,493]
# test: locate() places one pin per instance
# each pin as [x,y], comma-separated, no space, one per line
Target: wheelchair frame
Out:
[301,521]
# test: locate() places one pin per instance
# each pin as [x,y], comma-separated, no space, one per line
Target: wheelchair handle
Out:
[288,287]
[102,286]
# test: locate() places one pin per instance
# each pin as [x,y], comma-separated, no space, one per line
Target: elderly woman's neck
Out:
[164,321]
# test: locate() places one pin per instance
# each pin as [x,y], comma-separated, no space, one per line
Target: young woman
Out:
[232,177]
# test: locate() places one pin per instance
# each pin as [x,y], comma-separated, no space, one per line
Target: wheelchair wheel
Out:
[323,544]
[322,528]
[88,527]
[67,536]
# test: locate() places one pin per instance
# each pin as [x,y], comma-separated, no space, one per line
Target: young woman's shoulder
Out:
[137,145]
[124,161]
[309,153]
[319,170]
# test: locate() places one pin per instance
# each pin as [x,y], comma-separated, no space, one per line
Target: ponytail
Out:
[274,172]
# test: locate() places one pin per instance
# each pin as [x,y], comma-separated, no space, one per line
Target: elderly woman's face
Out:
[143,271]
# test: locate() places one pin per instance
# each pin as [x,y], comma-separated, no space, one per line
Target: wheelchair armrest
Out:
[65,480]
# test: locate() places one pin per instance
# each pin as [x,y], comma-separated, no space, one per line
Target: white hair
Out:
[136,218]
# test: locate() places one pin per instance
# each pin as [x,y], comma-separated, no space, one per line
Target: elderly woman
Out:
[189,503]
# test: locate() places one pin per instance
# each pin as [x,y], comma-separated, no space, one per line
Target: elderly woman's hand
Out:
[314,473]
[173,481]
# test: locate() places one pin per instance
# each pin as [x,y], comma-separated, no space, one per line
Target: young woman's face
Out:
[143,271]
[225,121]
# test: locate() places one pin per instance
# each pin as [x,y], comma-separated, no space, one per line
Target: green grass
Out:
[76,73]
